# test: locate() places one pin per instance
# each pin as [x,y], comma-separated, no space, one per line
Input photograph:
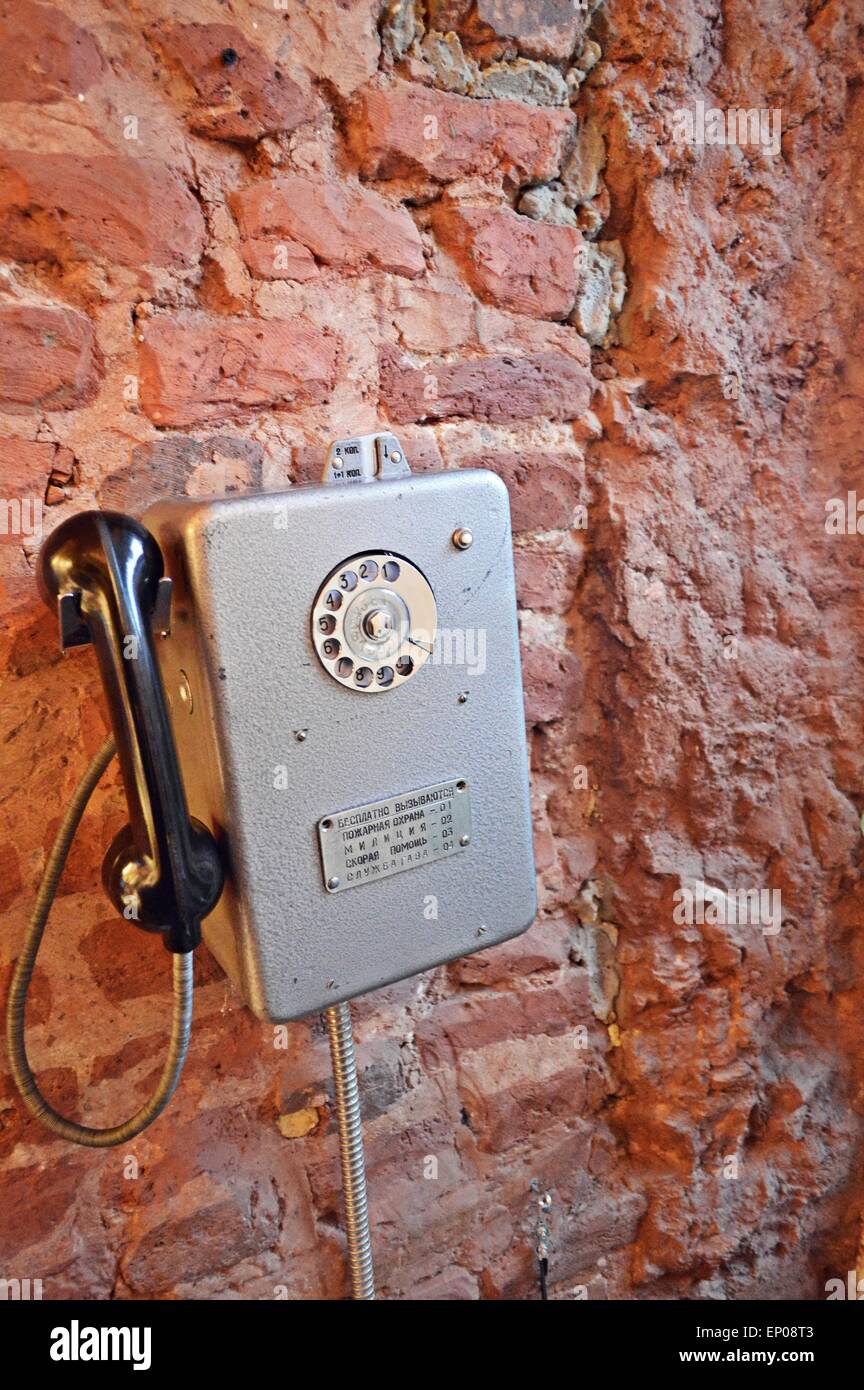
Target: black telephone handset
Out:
[105,573]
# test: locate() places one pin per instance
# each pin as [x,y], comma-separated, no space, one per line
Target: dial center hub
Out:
[378,625]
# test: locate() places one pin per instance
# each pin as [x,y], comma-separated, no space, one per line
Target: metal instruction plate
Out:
[405,831]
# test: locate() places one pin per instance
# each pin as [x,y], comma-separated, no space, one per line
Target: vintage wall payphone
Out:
[316,700]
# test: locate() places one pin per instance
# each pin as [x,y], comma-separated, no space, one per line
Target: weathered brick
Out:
[48,357]
[515,1090]
[554,682]
[543,28]
[209,1236]
[434,315]
[495,388]
[46,56]
[526,266]
[548,29]
[225,287]
[543,492]
[401,130]
[470,1023]
[126,962]
[337,43]
[10,875]
[83,868]
[381,1068]
[25,465]
[339,223]
[38,1199]
[196,368]
[176,463]
[109,207]
[547,580]
[240,94]
[452,1285]
[278,260]
[63,476]
[125,1058]
[543,947]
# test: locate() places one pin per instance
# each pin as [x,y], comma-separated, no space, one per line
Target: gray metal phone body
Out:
[270,744]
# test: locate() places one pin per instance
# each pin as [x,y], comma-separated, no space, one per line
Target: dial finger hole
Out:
[363,677]
[348,580]
[404,666]
[330,647]
[344,667]
[333,599]
[369,571]
[391,571]
[384,675]
[326,623]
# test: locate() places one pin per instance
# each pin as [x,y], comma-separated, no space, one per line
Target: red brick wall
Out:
[232,232]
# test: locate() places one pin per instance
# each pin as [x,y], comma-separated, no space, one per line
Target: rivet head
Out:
[464,839]
[333,882]
[300,735]
[462,538]
[229,57]
[463,696]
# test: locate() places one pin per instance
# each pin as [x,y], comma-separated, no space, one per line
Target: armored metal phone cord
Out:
[338,1026]
[181,1018]
[351,1150]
